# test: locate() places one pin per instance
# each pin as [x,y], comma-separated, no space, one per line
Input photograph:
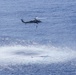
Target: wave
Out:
[35,54]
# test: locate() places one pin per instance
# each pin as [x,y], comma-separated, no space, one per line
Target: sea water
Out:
[47,48]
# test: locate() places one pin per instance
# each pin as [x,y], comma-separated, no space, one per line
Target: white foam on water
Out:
[32,54]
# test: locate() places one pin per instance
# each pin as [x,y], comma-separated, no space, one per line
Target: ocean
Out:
[47,48]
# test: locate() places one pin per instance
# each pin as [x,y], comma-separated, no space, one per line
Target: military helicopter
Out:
[32,21]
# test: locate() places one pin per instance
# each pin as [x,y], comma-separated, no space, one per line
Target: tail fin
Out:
[23,21]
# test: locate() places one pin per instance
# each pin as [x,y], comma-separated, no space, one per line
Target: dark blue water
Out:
[57,30]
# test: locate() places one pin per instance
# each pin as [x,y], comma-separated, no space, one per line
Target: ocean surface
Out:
[47,48]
